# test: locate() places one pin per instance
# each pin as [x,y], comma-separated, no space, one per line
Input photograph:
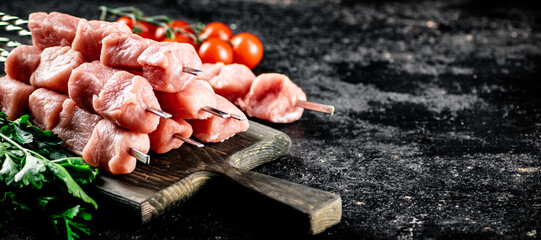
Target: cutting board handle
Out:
[324,209]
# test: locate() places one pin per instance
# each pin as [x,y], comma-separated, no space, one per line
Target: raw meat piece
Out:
[217,129]
[22,62]
[90,34]
[210,70]
[86,81]
[123,49]
[163,63]
[54,29]
[233,81]
[14,97]
[45,107]
[109,148]
[162,140]
[187,103]
[55,68]
[75,126]
[124,100]
[272,97]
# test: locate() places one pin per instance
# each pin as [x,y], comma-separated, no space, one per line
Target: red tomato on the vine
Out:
[126,20]
[247,49]
[215,50]
[143,29]
[216,30]
[183,34]
[147,29]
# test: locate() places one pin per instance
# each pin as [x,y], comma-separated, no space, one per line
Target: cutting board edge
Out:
[267,150]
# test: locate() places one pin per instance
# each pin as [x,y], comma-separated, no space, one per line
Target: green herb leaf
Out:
[9,170]
[30,182]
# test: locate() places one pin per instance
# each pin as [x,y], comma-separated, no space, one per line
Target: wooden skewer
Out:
[315,107]
[221,113]
[159,112]
[140,156]
[188,140]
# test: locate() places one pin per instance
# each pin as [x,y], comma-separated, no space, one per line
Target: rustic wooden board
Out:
[173,177]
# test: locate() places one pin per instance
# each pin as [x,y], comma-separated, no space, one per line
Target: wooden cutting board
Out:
[173,177]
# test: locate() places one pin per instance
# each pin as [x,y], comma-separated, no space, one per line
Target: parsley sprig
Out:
[37,178]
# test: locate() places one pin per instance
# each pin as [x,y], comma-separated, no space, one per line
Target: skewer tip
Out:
[315,107]
[192,71]
[188,140]
[140,156]
[159,112]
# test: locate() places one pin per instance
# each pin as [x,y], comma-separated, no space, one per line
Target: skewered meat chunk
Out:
[22,62]
[75,126]
[86,81]
[232,81]
[55,68]
[54,29]
[109,148]
[45,107]
[163,65]
[210,70]
[217,129]
[273,97]
[125,99]
[123,49]
[188,103]
[162,140]
[14,97]
[90,34]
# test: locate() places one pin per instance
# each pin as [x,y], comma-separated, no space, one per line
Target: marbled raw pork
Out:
[55,68]
[90,34]
[122,49]
[272,97]
[232,82]
[162,140]
[22,62]
[163,64]
[124,100]
[75,126]
[86,81]
[45,107]
[188,103]
[109,148]
[14,97]
[54,29]
[217,129]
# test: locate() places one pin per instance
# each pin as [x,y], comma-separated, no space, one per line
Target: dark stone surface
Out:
[436,133]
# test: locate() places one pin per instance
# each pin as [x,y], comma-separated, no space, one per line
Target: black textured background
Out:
[436,133]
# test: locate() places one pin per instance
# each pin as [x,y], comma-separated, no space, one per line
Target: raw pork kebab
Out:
[105,113]
[117,84]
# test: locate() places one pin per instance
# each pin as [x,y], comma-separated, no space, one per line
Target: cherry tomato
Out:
[216,30]
[147,30]
[126,20]
[247,49]
[143,29]
[184,34]
[215,50]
